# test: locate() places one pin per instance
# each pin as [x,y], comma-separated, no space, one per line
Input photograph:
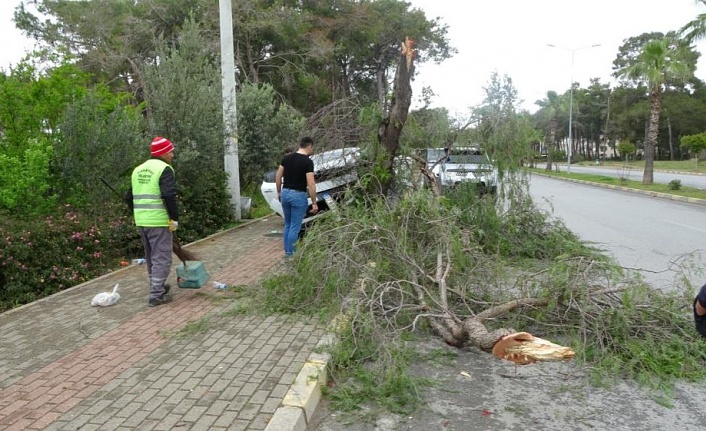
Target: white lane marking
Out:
[685,226]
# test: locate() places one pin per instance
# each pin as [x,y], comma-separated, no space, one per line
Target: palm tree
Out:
[550,108]
[695,29]
[660,62]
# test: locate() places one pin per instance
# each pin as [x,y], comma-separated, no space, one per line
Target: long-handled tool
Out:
[182,254]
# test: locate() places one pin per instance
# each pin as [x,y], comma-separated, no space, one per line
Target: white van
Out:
[457,165]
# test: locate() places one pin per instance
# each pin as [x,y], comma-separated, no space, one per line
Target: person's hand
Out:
[173,225]
[279,196]
[314,208]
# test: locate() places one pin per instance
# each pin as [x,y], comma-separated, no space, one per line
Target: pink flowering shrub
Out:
[44,256]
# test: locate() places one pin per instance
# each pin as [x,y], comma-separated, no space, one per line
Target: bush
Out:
[265,129]
[101,137]
[675,185]
[24,180]
[626,148]
[694,143]
[42,256]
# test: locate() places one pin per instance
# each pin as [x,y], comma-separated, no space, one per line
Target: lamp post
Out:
[230,118]
[571,98]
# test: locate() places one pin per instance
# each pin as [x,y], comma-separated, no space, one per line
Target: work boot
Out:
[164,299]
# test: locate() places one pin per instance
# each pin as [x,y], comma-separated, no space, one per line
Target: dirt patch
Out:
[475,391]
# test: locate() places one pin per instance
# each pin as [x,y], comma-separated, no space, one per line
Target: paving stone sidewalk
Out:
[191,364]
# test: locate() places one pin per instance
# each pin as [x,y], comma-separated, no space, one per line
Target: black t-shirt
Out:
[700,320]
[296,166]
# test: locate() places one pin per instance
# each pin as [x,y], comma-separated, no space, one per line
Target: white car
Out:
[334,172]
[463,164]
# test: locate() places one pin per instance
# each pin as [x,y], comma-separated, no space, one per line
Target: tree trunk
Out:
[381,77]
[472,330]
[251,67]
[390,128]
[381,84]
[345,80]
[552,143]
[651,141]
[671,144]
[141,91]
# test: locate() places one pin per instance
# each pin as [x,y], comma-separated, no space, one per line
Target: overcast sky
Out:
[13,45]
[509,37]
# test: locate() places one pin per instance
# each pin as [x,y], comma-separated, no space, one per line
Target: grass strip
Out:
[684,191]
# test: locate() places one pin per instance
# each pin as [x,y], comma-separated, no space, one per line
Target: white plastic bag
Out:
[104,299]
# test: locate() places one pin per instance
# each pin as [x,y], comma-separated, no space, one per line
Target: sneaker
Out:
[164,299]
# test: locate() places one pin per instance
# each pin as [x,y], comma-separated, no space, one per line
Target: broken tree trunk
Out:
[506,343]
[518,347]
[390,127]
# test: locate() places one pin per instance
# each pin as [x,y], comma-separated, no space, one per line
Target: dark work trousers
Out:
[158,257]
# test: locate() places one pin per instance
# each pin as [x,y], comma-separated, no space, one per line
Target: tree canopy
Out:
[309,52]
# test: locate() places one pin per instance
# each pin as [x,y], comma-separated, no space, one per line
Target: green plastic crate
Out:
[193,276]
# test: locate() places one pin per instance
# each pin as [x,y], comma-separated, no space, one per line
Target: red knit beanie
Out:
[161,146]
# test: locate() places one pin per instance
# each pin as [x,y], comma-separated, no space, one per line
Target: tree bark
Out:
[390,128]
[552,143]
[480,337]
[472,330]
[250,61]
[651,141]
[141,91]
[671,144]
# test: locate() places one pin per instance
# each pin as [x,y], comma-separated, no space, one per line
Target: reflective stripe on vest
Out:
[149,209]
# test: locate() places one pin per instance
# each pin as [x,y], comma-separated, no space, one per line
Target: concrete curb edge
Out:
[303,397]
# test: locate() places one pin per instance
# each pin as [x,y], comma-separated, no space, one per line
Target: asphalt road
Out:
[697,181]
[657,238]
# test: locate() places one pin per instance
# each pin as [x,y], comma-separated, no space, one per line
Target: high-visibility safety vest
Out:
[149,209]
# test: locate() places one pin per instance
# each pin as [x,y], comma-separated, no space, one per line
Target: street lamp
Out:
[571,98]
[230,117]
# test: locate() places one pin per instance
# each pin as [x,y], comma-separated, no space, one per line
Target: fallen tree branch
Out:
[499,310]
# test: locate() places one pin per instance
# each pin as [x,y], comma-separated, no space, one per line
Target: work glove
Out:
[173,225]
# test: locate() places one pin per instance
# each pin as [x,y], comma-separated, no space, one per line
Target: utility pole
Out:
[571,99]
[607,124]
[230,118]
[571,114]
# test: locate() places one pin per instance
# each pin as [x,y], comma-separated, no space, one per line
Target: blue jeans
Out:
[294,205]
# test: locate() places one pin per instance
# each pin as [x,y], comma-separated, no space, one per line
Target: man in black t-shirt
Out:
[700,311]
[295,178]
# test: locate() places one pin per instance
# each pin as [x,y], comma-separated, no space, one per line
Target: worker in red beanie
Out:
[152,198]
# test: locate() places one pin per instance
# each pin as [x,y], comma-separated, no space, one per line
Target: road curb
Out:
[303,397]
[659,195]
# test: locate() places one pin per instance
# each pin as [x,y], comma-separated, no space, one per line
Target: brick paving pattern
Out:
[68,366]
